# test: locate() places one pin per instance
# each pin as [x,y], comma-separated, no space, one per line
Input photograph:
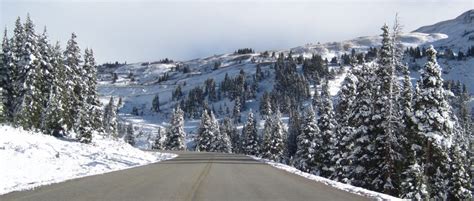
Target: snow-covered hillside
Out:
[30,159]
[329,50]
[460,32]
[138,83]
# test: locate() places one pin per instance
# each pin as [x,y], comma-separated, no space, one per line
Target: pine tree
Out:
[294,129]
[250,145]
[327,125]
[316,101]
[223,143]
[53,116]
[273,139]
[360,141]
[31,75]
[158,142]
[47,70]
[432,121]
[84,128]
[236,110]
[91,96]
[228,128]
[205,135]
[387,152]
[5,60]
[130,135]
[413,186]
[459,186]
[175,135]
[155,104]
[267,137]
[465,119]
[265,105]
[110,119]
[344,129]
[73,82]
[13,84]
[306,150]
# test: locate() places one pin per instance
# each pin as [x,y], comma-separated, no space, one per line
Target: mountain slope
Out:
[460,31]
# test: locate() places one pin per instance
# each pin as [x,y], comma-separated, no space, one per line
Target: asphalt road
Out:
[190,176]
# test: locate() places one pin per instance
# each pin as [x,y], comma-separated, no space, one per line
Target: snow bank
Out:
[29,159]
[335,184]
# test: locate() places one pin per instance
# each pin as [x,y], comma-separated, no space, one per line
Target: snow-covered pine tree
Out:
[73,82]
[250,145]
[110,119]
[465,119]
[360,141]
[130,135]
[273,142]
[46,67]
[2,108]
[155,104]
[327,126]
[205,136]
[413,186]
[175,135]
[294,129]
[236,111]
[30,98]
[304,159]
[228,128]
[159,139]
[13,85]
[84,128]
[316,101]
[92,96]
[387,153]
[265,105]
[221,141]
[5,59]
[459,187]
[344,129]
[53,116]
[432,120]
[406,99]
[89,107]
[218,144]
[267,137]
[413,180]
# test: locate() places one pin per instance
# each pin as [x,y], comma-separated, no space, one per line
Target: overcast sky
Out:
[146,30]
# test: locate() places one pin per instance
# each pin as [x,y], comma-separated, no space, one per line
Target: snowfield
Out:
[334,184]
[30,159]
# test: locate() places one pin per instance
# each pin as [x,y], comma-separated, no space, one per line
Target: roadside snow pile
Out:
[335,184]
[29,159]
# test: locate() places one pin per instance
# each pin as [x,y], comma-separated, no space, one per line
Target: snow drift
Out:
[30,159]
[345,187]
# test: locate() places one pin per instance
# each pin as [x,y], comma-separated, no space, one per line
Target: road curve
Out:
[191,176]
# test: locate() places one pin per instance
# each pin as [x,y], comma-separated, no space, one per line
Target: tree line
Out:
[46,88]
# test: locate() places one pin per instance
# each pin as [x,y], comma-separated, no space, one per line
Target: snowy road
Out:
[191,176]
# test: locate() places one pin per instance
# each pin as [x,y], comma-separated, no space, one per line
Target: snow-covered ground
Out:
[29,159]
[345,187]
